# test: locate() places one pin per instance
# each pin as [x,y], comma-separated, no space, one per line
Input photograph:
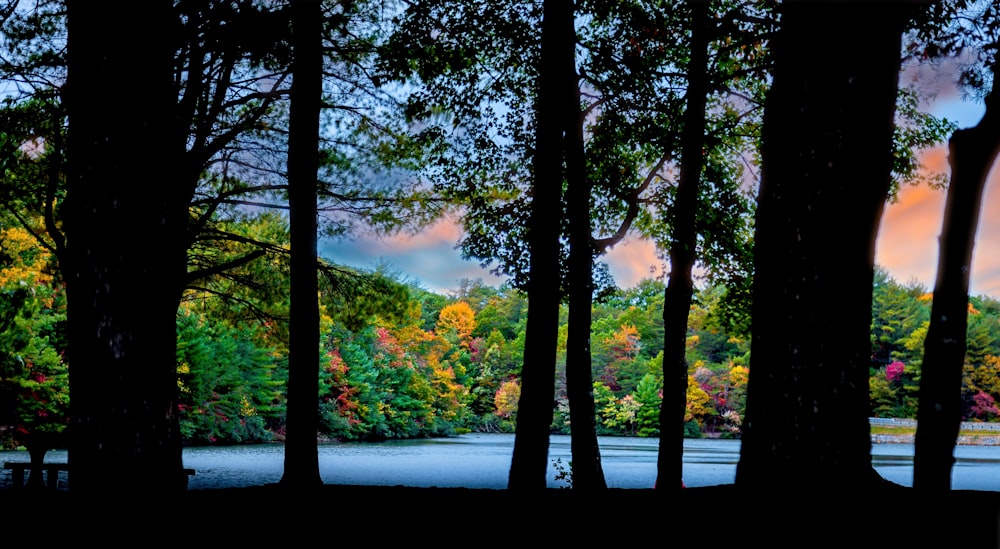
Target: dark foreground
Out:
[334,516]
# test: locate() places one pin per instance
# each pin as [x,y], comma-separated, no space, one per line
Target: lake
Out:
[483,461]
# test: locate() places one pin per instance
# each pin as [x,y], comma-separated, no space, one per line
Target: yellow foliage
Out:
[28,259]
[507,397]
[183,368]
[697,402]
[458,317]
[739,375]
[247,409]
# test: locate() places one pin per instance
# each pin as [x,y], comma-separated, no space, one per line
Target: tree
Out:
[34,389]
[680,286]
[529,461]
[458,318]
[124,154]
[231,381]
[649,395]
[301,451]
[972,152]
[588,473]
[826,148]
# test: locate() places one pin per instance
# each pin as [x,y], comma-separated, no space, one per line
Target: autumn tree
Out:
[458,318]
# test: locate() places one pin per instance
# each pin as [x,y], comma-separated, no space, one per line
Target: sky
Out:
[906,245]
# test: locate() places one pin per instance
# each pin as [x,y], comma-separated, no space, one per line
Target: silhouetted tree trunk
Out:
[301,451]
[683,248]
[587,471]
[827,154]
[529,462]
[125,220]
[972,152]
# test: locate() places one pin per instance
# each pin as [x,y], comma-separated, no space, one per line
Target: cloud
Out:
[986,253]
[633,260]
[428,258]
[907,243]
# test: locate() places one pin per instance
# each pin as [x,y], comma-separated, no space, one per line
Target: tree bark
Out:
[683,248]
[529,462]
[302,425]
[827,151]
[939,413]
[124,262]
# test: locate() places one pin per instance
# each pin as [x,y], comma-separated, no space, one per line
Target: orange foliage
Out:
[625,342]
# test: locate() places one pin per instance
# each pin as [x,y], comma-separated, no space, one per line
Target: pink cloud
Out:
[445,231]
[633,260]
[986,254]
[907,244]
[907,241]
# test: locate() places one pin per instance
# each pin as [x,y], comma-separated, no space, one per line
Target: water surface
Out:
[483,461]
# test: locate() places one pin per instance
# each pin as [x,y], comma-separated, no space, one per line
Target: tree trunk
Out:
[683,247]
[124,263]
[827,151]
[529,462]
[939,413]
[301,450]
[588,474]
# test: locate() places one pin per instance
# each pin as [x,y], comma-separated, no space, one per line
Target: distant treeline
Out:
[425,364]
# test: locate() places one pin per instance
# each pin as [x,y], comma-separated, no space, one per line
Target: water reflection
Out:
[483,461]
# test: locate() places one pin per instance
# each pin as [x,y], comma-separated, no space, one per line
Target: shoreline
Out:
[967,440]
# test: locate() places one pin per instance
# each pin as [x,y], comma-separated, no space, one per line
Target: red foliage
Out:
[984,407]
[894,371]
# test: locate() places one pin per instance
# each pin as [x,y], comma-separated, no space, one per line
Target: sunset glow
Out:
[907,244]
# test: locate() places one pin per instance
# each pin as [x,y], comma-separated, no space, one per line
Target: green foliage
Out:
[34,384]
[916,131]
[900,318]
[564,473]
[231,388]
[648,394]
[33,374]
[429,111]
[692,429]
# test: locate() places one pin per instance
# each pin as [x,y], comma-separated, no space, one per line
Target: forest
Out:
[451,364]
[167,179]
